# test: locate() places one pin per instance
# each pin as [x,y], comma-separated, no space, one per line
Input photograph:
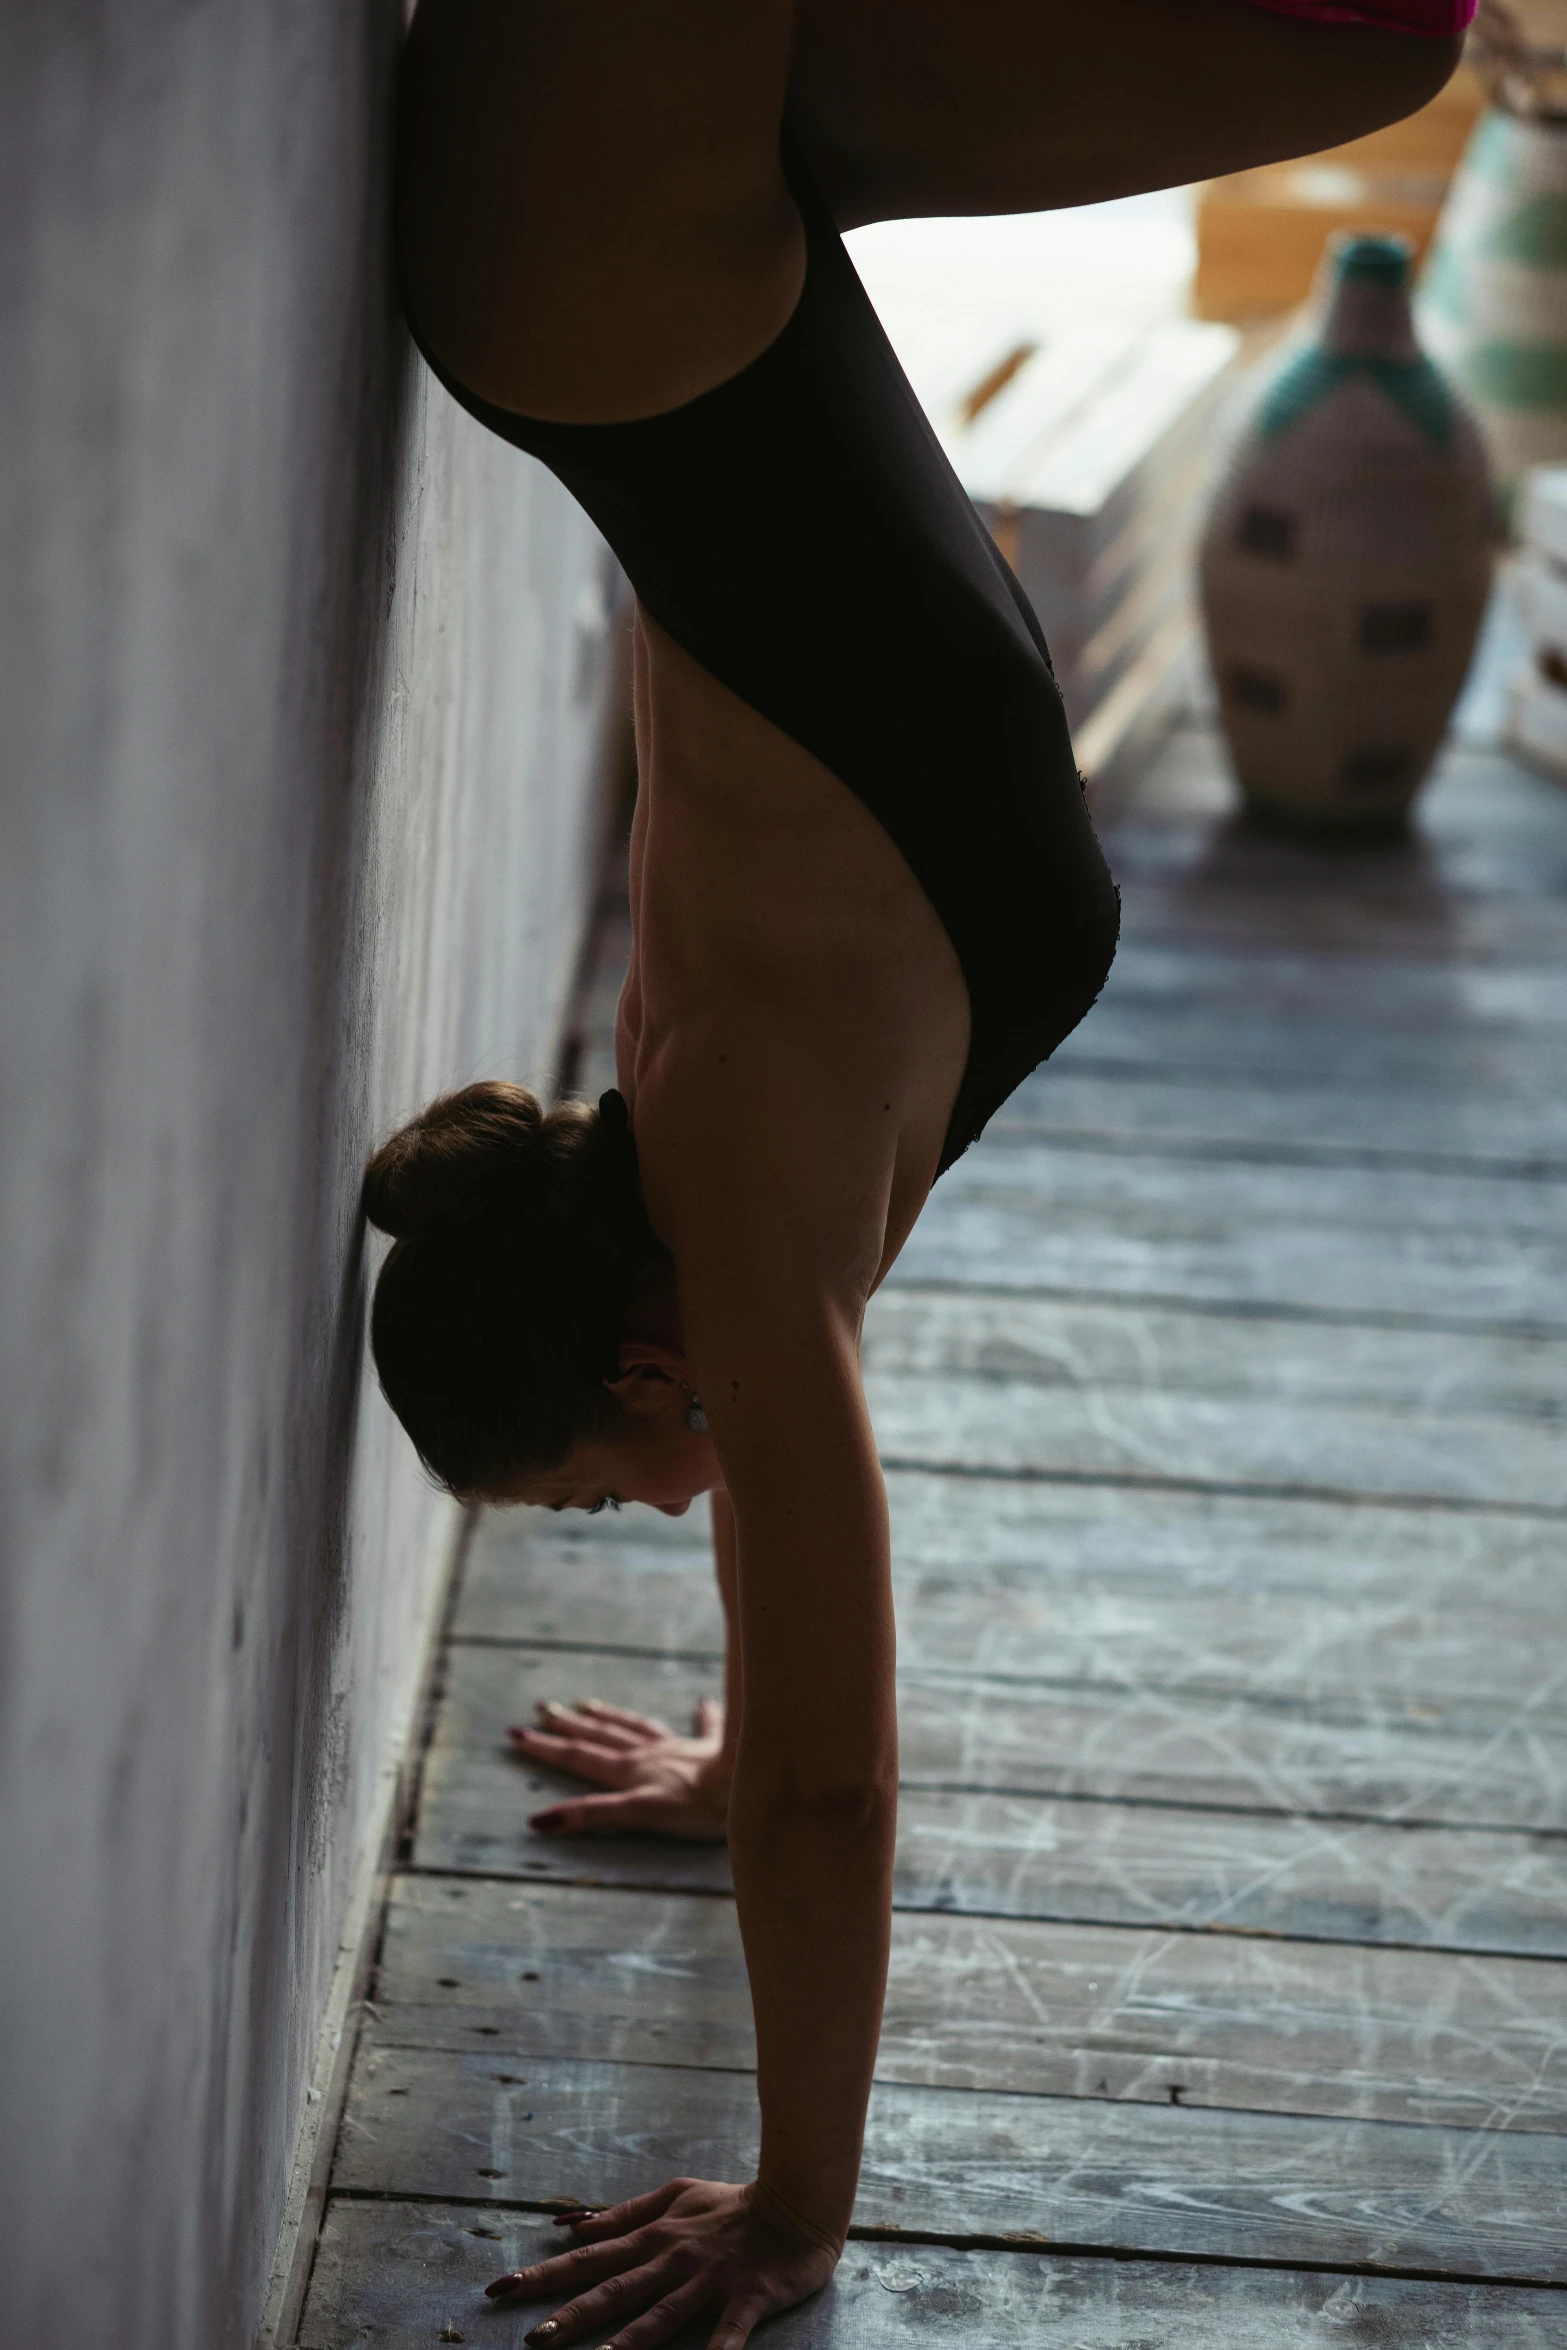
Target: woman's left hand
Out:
[664,1784]
[642,2270]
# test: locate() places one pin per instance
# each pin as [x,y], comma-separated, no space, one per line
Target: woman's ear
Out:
[652,1378]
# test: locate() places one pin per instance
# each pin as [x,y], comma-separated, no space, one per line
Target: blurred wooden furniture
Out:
[1260,234]
[1089,453]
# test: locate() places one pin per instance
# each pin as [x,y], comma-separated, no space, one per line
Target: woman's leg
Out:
[912,107]
[591,217]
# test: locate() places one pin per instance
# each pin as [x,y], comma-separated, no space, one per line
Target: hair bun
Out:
[457,1160]
[497,1323]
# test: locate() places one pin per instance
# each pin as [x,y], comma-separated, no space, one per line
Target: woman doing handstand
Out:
[866,896]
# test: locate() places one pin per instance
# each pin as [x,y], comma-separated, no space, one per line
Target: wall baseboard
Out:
[396,1794]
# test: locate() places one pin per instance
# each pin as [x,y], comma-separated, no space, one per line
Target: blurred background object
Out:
[1347,560]
[1081,408]
[1537,695]
[1517,50]
[1493,301]
[1089,453]
[1261,234]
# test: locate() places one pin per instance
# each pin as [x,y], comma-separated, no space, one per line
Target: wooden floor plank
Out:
[404,2275]
[1027,1854]
[1147,1107]
[1016,1427]
[1238,891]
[1352,1240]
[1172,893]
[1491,1210]
[989,1574]
[1431,995]
[1148,2178]
[1049,1386]
[1485,829]
[1076,2011]
[1110,1863]
[1007,1428]
[1368,1708]
[1073,1636]
[1118,1346]
[1106,1746]
[1290,1683]
[1153,1746]
[1110,1745]
[1175,1034]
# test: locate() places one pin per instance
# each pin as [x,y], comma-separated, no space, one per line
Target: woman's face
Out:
[658,1459]
[668,1476]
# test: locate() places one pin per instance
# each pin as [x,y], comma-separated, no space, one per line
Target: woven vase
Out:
[1492,303]
[1347,559]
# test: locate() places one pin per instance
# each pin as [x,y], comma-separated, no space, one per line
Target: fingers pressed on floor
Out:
[607,1764]
[648,1724]
[558,1738]
[594,1815]
[583,1722]
[571,2273]
[737,2325]
[668,2314]
[594,2316]
[617,2219]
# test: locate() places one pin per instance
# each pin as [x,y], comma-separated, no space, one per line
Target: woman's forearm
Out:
[813,1885]
[813,1804]
[726,1571]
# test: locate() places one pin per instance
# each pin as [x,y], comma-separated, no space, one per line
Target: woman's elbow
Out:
[854,1799]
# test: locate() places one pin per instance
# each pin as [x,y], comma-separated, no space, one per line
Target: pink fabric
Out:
[1439,18]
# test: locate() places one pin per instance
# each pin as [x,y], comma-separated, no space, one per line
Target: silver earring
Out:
[696,1418]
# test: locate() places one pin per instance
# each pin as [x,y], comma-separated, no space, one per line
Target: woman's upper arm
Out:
[773,1220]
[813,1575]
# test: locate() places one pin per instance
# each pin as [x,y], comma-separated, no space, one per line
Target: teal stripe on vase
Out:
[1411,384]
[1534,233]
[1515,375]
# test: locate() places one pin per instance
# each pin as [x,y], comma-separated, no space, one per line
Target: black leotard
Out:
[798,531]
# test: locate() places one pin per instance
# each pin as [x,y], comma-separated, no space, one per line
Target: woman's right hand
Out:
[644,2270]
[661,1783]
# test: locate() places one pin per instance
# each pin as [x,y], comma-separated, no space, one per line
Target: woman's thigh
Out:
[592,220]
[912,107]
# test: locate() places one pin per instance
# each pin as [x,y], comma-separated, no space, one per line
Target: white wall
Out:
[301,686]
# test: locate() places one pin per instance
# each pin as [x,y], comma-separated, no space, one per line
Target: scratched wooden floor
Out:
[1221,1393]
